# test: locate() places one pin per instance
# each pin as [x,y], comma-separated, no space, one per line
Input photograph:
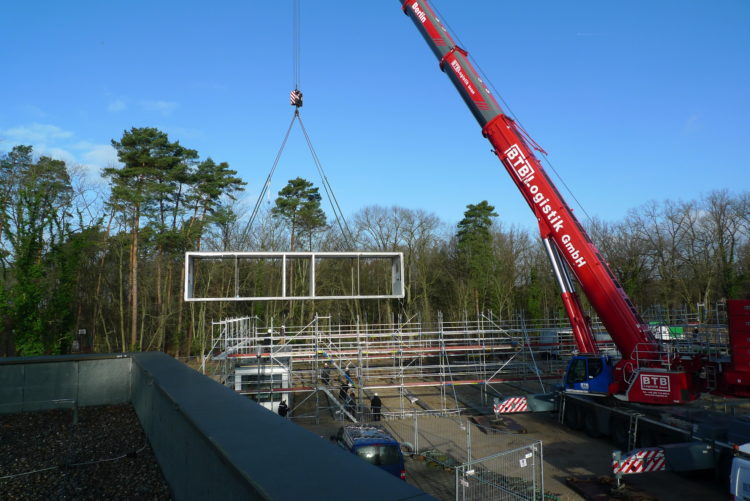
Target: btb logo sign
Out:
[655,383]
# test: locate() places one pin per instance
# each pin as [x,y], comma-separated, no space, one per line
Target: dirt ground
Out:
[566,453]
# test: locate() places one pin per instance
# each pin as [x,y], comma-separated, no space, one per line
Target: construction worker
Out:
[283,409]
[375,405]
[325,374]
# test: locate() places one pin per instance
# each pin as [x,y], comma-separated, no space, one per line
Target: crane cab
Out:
[590,374]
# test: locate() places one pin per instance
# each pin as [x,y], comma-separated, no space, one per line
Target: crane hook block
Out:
[295,98]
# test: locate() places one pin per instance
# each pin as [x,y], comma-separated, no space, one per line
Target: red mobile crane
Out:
[645,373]
[680,439]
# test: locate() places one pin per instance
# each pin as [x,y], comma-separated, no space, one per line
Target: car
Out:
[374,445]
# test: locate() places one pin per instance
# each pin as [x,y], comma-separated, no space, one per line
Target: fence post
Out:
[541,471]
[416,433]
[534,485]
[616,459]
[460,493]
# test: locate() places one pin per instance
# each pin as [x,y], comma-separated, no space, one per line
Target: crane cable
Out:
[335,207]
[296,43]
[296,100]
[267,184]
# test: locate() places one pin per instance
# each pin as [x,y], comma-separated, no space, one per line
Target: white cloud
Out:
[55,142]
[101,155]
[35,133]
[163,107]
[54,152]
[117,105]
[94,157]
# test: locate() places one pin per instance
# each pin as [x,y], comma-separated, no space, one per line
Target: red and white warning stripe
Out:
[295,98]
[511,404]
[641,461]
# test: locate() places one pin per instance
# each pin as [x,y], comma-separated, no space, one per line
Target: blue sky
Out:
[634,101]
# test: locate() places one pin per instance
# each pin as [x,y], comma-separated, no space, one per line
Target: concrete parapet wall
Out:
[43,383]
[209,441]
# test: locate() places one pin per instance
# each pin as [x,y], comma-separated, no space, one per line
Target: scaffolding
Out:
[324,361]
[322,357]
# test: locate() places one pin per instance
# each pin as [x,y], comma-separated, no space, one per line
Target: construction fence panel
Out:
[517,474]
[440,439]
[455,442]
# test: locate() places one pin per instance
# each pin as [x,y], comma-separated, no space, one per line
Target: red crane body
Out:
[642,360]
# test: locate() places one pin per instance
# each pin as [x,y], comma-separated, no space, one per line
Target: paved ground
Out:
[566,453]
[569,453]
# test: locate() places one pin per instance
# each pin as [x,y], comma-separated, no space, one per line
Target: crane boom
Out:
[645,373]
[557,224]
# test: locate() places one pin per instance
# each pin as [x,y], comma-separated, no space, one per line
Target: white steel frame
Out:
[396,259]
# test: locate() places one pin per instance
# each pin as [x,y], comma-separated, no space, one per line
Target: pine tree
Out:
[475,249]
[298,204]
[152,172]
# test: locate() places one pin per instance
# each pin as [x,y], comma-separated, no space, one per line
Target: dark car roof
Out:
[365,435]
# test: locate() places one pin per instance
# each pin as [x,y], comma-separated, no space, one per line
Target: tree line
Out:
[101,264]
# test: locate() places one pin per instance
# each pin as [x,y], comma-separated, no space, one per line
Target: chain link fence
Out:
[454,442]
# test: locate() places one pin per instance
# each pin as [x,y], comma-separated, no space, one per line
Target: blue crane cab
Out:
[590,374]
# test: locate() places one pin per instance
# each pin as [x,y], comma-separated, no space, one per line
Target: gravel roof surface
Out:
[43,455]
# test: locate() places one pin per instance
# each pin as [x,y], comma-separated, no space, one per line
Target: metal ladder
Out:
[633,430]
[710,378]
